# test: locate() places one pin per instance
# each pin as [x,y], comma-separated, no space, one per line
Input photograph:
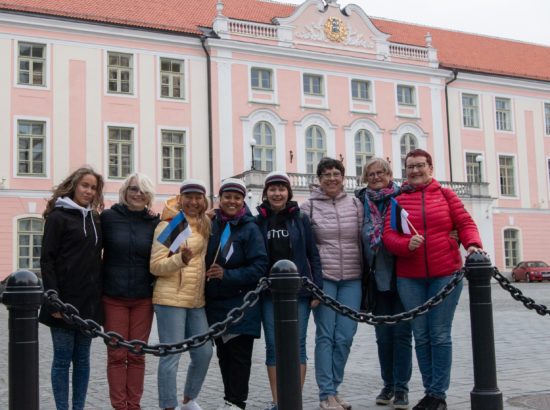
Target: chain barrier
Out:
[518,294]
[385,319]
[112,339]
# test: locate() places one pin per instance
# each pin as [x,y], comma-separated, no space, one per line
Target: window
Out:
[313,84]
[363,150]
[261,79]
[31,148]
[405,95]
[173,155]
[171,78]
[264,150]
[29,243]
[503,114]
[470,111]
[315,147]
[32,64]
[120,72]
[360,90]
[507,175]
[547,118]
[408,143]
[511,248]
[473,167]
[121,152]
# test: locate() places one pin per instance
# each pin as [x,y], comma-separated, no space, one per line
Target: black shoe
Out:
[401,400]
[425,403]
[438,404]
[385,396]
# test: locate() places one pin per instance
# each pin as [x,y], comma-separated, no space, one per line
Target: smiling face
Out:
[136,200]
[277,196]
[377,177]
[85,190]
[192,203]
[332,182]
[418,171]
[231,202]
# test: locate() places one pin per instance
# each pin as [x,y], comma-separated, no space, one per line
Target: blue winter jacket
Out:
[241,273]
[304,251]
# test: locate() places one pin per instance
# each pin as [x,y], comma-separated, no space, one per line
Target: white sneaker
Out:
[229,406]
[190,405]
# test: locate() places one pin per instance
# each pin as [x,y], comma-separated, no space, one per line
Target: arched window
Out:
[408,143]
[316,147]
[511,248]
[364,149]
[264,150]
[29,243]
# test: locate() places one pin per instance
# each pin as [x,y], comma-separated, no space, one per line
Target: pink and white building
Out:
[208,90]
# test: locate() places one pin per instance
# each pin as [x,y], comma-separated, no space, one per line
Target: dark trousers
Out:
[235,359]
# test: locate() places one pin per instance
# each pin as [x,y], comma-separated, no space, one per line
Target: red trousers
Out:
[132,319]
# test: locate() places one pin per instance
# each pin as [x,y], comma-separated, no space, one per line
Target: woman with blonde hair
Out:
[128,229]
[178,296]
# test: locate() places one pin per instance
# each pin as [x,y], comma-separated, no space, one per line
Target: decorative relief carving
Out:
[334,30]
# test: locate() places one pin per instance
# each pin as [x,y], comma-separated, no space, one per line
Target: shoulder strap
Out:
[310,210]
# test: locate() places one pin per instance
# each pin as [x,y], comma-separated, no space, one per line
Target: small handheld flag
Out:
[226,244]
[177,232]
[400,218]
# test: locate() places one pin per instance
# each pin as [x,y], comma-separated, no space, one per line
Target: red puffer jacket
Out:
[434,214]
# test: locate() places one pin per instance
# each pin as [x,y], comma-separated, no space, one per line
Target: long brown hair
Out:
[68,186]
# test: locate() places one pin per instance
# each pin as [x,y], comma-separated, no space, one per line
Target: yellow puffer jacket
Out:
[178,284]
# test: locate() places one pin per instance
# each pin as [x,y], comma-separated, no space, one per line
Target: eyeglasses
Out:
[332,175]
[135,189]
[418,166]
[376,174]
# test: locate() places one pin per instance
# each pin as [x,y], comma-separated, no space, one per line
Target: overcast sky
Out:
[524,20]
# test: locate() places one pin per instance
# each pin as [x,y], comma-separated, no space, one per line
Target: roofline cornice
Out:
[503,81]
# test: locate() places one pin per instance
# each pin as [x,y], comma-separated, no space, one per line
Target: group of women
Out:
[333,238]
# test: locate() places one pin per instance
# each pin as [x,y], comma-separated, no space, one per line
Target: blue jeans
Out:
[334,335]
[174,325]
[70,346]
[269,330]
[394,343]
[432,332]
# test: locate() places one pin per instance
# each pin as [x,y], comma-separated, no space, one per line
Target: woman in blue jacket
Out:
[233,271]
[287,234]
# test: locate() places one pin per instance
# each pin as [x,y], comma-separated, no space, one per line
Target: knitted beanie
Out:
[276,177]
[233,184]
[193,185]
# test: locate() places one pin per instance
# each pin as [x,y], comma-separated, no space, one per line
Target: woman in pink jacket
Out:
[425,263]
[336,220]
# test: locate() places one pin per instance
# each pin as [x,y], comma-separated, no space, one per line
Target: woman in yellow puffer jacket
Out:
[178,296]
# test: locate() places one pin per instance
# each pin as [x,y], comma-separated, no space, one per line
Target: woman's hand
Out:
[211,213]
[186,255]
[215,272]
[314,303]
[415,242]
[57,315]
[474,249]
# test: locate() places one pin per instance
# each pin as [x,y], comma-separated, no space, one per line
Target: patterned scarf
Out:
[374,216]
[226,218]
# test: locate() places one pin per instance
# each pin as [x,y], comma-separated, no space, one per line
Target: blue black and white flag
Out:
[399,221]
[226,243]
[177,232]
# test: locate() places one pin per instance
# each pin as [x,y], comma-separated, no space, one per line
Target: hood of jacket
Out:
[68,203]
[171,208]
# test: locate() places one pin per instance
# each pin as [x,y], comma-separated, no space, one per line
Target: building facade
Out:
[203,92]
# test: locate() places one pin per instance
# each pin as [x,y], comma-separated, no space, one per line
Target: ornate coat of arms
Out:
[335,29]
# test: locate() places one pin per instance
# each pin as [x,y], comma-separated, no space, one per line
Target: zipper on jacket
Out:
[425,241]
[339,239]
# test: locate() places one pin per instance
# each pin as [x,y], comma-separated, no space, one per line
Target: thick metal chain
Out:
[90,328]
[518,294]
[386,319]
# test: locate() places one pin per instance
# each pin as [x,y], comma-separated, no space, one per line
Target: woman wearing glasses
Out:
[426,260]
[128,229]
[394,342]
[336,220]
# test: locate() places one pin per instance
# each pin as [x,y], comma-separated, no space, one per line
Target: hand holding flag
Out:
[177,232]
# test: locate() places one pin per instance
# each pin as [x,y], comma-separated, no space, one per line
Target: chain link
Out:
[90,328]
[518,294]
[387,320]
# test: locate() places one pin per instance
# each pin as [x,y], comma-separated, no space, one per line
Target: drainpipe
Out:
[455,74]
[210,143]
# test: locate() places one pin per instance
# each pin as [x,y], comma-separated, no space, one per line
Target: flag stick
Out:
[411,225]
[218,251]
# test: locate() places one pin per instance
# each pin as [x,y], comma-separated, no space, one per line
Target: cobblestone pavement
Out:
[523,363]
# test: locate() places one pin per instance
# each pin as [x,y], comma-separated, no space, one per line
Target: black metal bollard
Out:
[285,284]
[485,394]
[23,297]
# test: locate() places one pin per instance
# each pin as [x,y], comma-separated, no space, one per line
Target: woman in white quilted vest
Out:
[336,219]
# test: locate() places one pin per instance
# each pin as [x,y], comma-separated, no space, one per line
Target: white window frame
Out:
[16,242]
[184,84]
[481,164]
[510,112]
[475,108]
[322,84]
[406,128]
[135,138]
[186,159]
[516,185]
[264,148]
[15,225]
[369,90]
[546,117]
[378,141]
[414,95]
[47,57]
[264,70]
[520,243]
[47,151]
[107,93]
[302,126]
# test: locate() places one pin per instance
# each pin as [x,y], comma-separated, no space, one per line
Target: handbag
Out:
[368,289]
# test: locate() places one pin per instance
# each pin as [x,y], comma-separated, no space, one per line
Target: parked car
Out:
[531,271]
